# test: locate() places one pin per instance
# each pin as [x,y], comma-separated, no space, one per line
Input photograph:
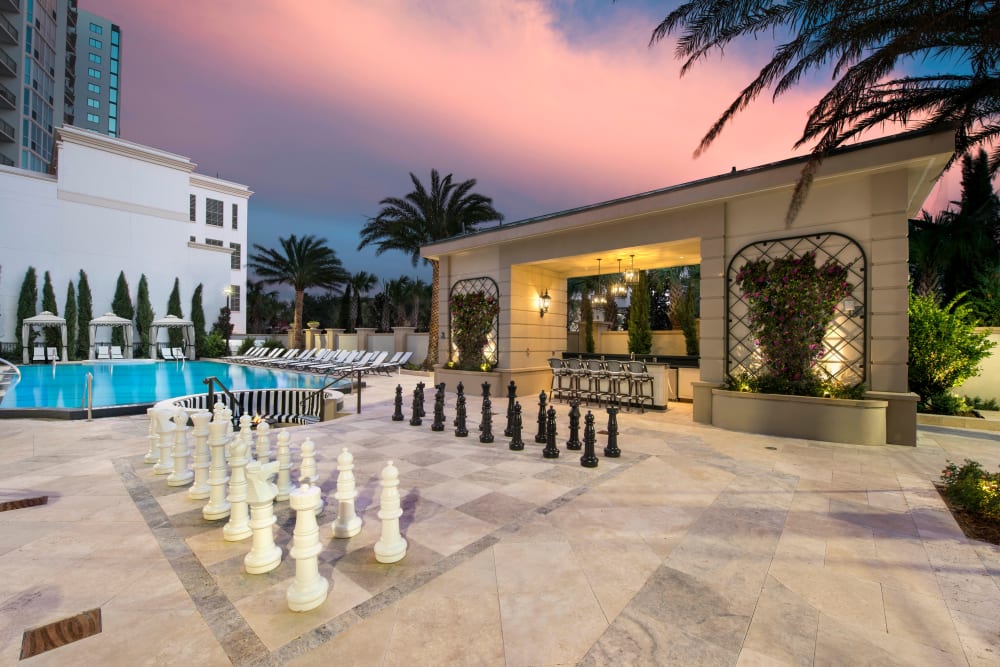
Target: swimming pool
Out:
[132,382]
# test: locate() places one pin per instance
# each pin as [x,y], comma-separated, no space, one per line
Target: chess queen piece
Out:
[200,490]
[461,430]
[612,451]
[307,468]
[459,397]
[550,451]
[486,427]
[153,452]
[262,445]
[397,415]
[574,425]
[417,408]
[391,547]
[589,458]
[264,554]
[309,589]
[218,478]
[508,430]
[238,526]
[516,443]
[284,466]
[540,436]
[348,523]
[438,424]
[165,439]
[181,475]
[420,398]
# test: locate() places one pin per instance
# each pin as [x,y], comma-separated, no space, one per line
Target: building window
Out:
[215,242]
[94,58]
[93,73]
[115,35]
[234,298]
[92,103]
[96,29]
[96,43]
[192,207]
[93,118]
[213,212]
[94,88]
[191,238]
[236,216]
[237,257]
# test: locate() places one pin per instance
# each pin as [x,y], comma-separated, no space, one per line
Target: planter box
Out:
[472,380]
[859,422]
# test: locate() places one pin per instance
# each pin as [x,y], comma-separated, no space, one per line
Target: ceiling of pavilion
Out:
[656,256]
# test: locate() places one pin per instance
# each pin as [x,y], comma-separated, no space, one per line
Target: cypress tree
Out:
[52,335]
[85,313]
[70,315]
[640,334]
[198,317]
[176,336]
[27,302]
[144,315]
[122,307]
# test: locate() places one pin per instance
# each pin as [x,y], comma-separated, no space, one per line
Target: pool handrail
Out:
[17,371]
[211,381]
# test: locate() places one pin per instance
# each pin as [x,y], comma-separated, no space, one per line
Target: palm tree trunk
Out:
[293,334]
[433,325]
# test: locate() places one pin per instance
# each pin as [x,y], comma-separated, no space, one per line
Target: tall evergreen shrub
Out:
[85,313]
[70,313]
[27,303]
[176,336]
[198,318]
[52,335]
[640,334]
[144,314]
[122,307]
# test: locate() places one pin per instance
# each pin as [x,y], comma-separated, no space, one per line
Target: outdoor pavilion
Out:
[866,192]
[110,320]
[172,322]
[42,320]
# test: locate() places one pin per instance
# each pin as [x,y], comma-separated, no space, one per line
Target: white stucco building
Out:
[115,206]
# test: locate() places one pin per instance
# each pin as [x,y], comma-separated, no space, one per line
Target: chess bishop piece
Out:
[391,547]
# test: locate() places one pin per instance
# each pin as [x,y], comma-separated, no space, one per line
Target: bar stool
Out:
[576,372]
[597,376]
[559,372]
[638,378]
[617,376]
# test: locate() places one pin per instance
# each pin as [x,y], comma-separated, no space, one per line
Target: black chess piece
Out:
[460,429]
[574,425]
[589,459]
[397,415]
[415,417]
[486,390]
[511,395]
[420,401]
[516,443]
[612,451]
[486,427]
[540,436]
[550,451]
[438,424]
[459,393]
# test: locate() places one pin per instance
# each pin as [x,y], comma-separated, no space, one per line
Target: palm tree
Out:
[362,281]
[303,263]
[956,43]
[422,217]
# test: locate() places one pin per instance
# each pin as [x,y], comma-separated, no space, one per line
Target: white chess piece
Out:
[264,555]
[165,439]
[200,489]
[348,523]
[284,466]
[391,547]
[307,468]
[238,526]
[263,442]
[218,478]
[309,589]
[181,474]
[246,433]
[153,453]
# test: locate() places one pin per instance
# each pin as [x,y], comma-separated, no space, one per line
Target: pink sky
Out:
[323,108]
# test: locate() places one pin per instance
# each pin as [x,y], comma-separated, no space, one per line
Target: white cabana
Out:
[42,320]
[110,320]
[172,322]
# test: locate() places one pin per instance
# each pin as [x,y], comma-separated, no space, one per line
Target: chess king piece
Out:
[218,478]
[612,451]
[309,589]
[417,408]
[550,451]
[438,424]
[238,526]
[391,547]
[165,438]
[307,468]
[459,398]
[420,398]
[181,475]
[397,415]
[153,452]
[540,436]
[200,490]
[589,459]
[516,443]
[262,445]
[508,430]
[574,425]
[264,554]
[284,466]
[461,430]
[348,523]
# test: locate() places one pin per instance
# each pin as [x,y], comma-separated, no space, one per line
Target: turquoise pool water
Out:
[141,381]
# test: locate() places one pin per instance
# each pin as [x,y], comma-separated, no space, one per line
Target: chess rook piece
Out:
[540,436]
[516,443]
[420,398]
[612,451]
[459,395]
[508,430]
[550,451]
[461,430]
[348,523]
[284,467]
[589,459]
[438,424]
[391,547]
[574,425]
[238,526]
[200,490]
[262,445]
[165,439]
[307,468]
[181,475]
[309,589]
[397,415]
[218,479]
[153,452]
[486,427]
[264,554]
[415,417]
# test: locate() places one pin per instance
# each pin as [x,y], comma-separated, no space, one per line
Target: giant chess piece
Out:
[516,443]
[348,523]
[307,468]
[200,490]
[589,458]
[238,526]
[397,415]
[153,452]
[438,424]
[540,436]
[165,439]
[420,398]
[264,555]
[508,430]
[612,451]
[262,445]
[486,427]
[461,430]
[218,479]
[550,451]
[391,547]
[181,475]
[574,425]
[416,408]
[459,398]
[284,467]
[486,390]
[309,589]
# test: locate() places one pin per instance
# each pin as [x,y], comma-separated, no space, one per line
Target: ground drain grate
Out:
[21,503]
[66,631]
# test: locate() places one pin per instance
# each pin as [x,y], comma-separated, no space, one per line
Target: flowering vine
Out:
[472,317]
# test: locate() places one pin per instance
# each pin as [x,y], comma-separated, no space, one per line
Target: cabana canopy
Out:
[111,320]
[43,319]
[172,322]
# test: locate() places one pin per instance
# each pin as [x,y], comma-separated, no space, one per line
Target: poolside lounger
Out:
[372,363]
[305,356]
[178,353]
[272,353]
[103,352]
[393,365]
[289,355]
[334,357]
[165,352]
[53,353]
[352,356]
[322,356]
[252,353]
[38,354]
[116,352]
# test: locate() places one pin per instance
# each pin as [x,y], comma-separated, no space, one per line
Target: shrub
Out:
[472,317]
[247,345]
[947,403]
[972,488]
[978,403]
[215,345]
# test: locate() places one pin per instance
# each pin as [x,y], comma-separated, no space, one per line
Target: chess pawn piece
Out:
[550,451]
[153,452]
[516,443]
[238,526]
[574,425]
[348,523]
[246,431]
[264,555]
[461,430]
[417,407]
[262,445]
[438,424]
[309,589]
[218,479]
[459,396]
[420,398]
[181,475]
[200,489]
[391,547]
[589,459]
[397,415]
[486,427]
[307,468]
[540,436]
[612,451]
[284,467]
[165,439]
[508,430]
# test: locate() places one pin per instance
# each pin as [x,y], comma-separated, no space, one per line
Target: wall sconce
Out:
[543,303]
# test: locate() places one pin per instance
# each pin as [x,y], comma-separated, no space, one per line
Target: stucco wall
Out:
[987,384]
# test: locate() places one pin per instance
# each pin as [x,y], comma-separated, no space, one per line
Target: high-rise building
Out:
[98,75]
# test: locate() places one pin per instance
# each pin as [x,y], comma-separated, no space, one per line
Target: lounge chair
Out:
[352,356]
[393,365]
[178,353]
[272,353]
[373,361]
[53,353]
[252,353]
[167,354]
[334,358]
[104,352]
[289,355]
[38,354]
[116,352]
[322,356]
[305,356]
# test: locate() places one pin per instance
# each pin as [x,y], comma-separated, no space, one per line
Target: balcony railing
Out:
[7,98]
[6,131]
[4,160]
[10,5]
[8,66]
[8,33]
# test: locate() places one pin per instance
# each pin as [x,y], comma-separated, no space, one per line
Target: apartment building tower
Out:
[98,74]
